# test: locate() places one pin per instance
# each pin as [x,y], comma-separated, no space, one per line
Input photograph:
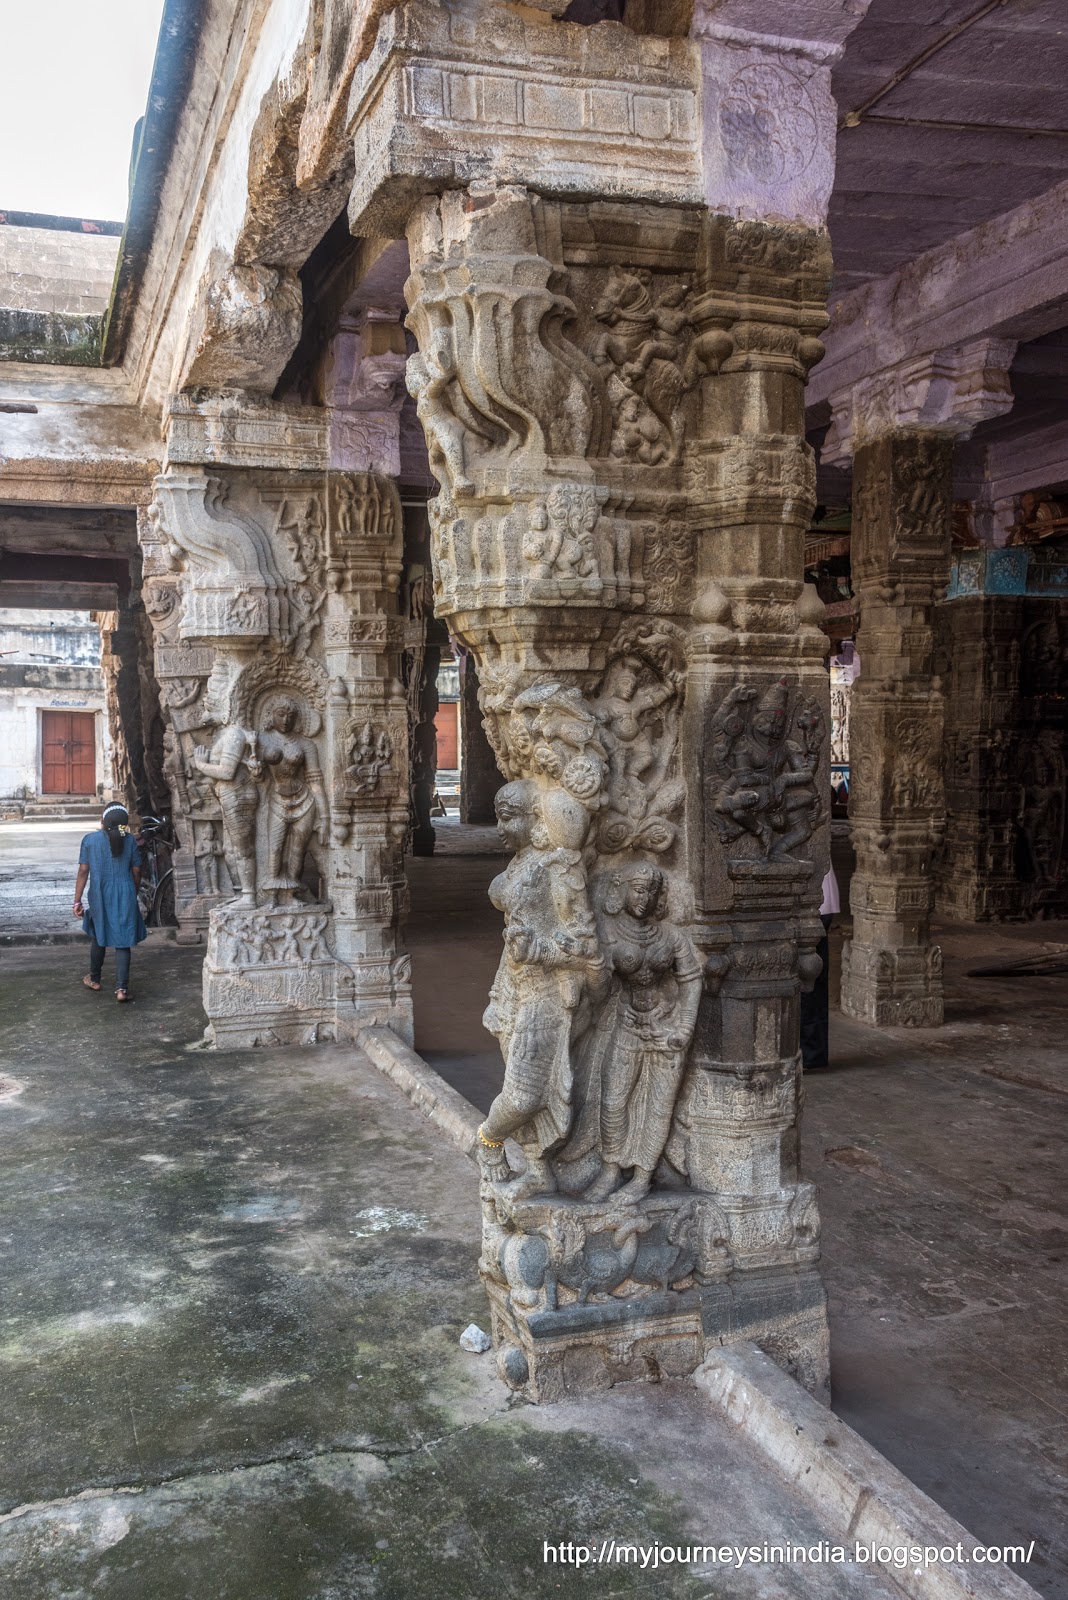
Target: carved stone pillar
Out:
[900,429]
[978,657]
[132,698]
[479,776]
[272,581]
[618,541]
[1001,646]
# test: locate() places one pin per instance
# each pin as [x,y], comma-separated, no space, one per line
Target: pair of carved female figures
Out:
[274,775]
[600,1011]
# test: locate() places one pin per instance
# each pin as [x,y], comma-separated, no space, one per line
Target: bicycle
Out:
[156,894]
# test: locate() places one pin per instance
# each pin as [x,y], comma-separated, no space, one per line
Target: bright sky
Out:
[75,80]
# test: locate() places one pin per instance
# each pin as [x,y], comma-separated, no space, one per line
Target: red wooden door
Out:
[445,724]
[68,740]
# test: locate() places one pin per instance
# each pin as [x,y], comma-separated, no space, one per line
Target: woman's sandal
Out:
[89,984]
[122,996]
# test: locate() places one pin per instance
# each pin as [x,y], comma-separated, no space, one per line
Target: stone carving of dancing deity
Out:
[551,959]
[635,1055]
[637,760]
[296,805]
[233,767]
[765,782]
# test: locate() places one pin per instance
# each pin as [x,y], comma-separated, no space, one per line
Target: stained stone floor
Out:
[940,1158]
[38,866]
[232,1288]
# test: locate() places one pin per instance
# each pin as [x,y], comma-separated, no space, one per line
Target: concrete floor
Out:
[940,1158]
[233,1286]
[38,866]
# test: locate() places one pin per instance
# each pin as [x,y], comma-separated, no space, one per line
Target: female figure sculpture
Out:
[640,1050]
[296,806]
[550,959]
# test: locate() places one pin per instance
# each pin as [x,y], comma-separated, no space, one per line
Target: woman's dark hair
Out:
[115,818]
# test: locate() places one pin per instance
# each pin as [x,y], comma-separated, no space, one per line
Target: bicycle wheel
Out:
[163,913]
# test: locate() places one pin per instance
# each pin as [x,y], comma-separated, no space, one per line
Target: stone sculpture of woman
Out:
[232,765]
[296,798]
[550,960]
[638,1052]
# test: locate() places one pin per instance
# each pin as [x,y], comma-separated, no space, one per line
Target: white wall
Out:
[51,648]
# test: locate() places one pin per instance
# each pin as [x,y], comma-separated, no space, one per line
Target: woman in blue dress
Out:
[111,863]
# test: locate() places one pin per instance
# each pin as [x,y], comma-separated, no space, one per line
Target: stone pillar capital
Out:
[947,392]
[769,117]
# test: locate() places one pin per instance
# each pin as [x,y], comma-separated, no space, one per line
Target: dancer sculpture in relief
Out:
[638,1051]
[550,960]
[765,782]
[296,799]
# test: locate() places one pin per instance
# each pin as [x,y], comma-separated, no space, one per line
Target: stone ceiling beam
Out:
[1033,462]
[1004,279]
[50,595]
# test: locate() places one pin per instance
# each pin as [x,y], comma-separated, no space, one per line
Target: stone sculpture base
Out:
[581,1349]
[899,988]
[585,1295]
[270,978]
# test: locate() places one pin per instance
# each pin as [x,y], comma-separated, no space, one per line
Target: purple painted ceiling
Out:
[904,185]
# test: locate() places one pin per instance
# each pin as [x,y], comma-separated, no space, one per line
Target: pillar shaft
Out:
[902,499]
[618,543]
[274,594]
[479,774]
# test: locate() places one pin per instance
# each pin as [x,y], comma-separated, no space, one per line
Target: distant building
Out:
[54,743]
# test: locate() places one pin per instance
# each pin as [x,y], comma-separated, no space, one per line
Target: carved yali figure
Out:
[634,1057]
[764,782]
[550,960]
[296,799]
[233,768]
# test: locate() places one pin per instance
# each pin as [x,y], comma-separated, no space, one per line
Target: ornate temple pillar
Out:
[611,392]
[900,429]
[1001,647]
[618,542]
[272,580]
[132,698]
[479,776]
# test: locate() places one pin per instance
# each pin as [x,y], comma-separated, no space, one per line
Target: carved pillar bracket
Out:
[272,582]
[617,541]
[949,393]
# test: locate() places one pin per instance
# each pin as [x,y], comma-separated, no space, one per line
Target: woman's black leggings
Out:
[122,964]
